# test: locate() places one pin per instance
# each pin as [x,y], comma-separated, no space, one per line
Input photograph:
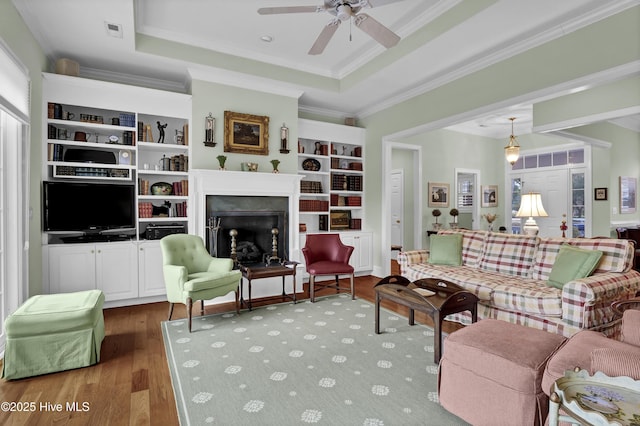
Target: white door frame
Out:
[475,210]
[387,157]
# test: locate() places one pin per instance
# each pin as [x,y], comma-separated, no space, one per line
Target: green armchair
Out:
[190,273]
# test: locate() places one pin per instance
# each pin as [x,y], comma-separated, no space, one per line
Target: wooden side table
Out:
[595,400]
[437,298]
[257,272]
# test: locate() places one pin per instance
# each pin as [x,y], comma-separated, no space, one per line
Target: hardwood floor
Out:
[131,384]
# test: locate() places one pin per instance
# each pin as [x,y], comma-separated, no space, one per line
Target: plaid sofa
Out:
[508,273]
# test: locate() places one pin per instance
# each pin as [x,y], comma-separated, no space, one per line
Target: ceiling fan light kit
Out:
[342,10]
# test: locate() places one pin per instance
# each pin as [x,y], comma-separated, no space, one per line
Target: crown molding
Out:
[133,80]
[323,112]
[588,140]
[582,121]
[500,53]
[236,79]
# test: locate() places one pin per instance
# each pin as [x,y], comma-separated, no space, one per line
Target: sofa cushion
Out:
[472,244]
[445,250]
[615,363]
[526,295]
[479,283]
[509,254]
[617,255]
[573,263]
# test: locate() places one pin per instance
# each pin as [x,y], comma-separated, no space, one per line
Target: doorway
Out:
[396,155]
[397,212]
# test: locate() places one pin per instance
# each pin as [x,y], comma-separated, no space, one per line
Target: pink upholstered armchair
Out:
[324,254]
[592,351]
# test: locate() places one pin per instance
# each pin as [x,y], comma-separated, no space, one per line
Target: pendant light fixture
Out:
[512,151]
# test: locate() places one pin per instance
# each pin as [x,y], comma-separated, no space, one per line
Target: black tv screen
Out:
[87,207]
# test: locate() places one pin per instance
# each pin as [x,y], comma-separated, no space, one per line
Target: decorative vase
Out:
[437,226]
[453,225]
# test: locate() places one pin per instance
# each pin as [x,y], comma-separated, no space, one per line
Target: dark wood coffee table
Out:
[261,271]
[437,298]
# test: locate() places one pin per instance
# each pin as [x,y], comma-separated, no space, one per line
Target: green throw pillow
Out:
[445,249]
[573,263]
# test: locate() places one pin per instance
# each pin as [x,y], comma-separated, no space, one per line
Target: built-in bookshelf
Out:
[110,134]
[330,157]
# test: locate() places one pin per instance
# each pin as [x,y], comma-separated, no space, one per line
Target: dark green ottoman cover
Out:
[54,332]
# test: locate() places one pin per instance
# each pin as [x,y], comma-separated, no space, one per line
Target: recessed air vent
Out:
[113,30]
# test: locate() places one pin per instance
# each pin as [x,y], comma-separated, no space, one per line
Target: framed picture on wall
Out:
[489,195]
[438,194]
[628,194]
[600,194]
[246,133]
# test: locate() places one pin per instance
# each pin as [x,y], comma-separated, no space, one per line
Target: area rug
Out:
[304,363]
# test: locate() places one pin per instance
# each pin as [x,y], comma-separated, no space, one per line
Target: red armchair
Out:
[324,254]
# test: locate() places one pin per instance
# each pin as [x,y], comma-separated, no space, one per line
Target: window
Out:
[14,184]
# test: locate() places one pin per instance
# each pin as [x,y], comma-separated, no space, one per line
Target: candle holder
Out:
[284,139]
[209,131]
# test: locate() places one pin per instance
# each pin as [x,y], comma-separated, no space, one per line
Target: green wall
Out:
[573,56]
[216,98]
[15,34]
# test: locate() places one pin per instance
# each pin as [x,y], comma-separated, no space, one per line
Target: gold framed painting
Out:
[246,133]
[340,219]
[438,194]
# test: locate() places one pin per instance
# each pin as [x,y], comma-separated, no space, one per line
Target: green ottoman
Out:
[54,332]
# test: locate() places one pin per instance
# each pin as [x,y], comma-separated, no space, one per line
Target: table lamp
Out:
[531,206]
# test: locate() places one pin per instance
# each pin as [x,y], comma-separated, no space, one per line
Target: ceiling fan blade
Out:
[289,9]
[323,39]
[376,30]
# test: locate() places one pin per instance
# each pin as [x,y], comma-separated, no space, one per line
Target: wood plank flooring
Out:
[131,384]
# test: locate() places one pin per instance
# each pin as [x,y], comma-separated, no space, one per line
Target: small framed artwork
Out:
[340,219]
[246,133]
[438,194]
[600,194]
[489,196]
[628,193]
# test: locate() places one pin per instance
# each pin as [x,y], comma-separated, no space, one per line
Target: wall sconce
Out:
[284,139]
[209,131]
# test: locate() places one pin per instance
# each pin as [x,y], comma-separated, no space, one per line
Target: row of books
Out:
[341,182]
[339,200]
[145,210]
[310,187]
[179,163]
[314,205]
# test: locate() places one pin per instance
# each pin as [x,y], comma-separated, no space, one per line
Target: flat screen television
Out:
[88,207]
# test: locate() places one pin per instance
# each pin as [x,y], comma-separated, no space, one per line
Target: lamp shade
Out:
[531,206]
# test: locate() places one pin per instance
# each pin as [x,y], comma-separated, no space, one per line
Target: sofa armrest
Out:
[586,302]
[406,258]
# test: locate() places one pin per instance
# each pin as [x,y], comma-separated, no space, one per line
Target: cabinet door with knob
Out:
[110,267]
[150,278]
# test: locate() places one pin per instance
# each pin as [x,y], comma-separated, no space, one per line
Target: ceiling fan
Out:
[343,10]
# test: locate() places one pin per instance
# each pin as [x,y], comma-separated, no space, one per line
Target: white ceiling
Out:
[441,40]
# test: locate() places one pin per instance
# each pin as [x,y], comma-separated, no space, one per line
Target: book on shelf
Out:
[141,131]
[313,205]
[323,222]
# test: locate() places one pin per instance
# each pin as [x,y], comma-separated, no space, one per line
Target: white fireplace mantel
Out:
[203,182]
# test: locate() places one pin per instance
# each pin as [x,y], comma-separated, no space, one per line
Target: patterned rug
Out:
[306,363]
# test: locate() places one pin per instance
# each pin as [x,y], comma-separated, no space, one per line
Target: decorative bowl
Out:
[161,188]
[311,165]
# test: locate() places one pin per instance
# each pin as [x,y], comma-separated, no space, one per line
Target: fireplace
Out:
[271,199]
[250,229]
